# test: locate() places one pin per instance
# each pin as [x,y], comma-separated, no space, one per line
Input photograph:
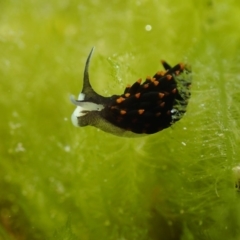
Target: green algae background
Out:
[61,182]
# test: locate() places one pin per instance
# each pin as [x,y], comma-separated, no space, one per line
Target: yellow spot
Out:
[123,112]
[182,66]
[162,104]
[160,73]
[161,95]
[127,95]
[139,81]
[141,111]
[146,85]
[119,100]
[156,83]
[137,95]
[169,77]
[174,91]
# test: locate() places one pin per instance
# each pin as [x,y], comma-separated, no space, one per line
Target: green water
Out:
[61,182]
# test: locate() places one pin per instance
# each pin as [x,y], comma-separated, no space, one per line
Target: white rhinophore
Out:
[81,96]
[83,108]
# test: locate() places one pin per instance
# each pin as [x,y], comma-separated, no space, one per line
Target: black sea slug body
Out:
[143,108]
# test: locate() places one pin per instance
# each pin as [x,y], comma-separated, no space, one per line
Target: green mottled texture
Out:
[59,182]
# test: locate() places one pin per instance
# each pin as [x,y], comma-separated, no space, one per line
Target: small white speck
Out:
[14,126]
[184,128]
[60,188]
[236,169]
[67,148]
[184,144]
[20,148]
[81,96]
[148,27]
[15,114]
[65,119]
[138,3]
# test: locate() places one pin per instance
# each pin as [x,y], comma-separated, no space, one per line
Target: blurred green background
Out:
[61,182]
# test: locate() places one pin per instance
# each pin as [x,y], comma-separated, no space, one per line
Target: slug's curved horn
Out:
[86,82]
[88,94]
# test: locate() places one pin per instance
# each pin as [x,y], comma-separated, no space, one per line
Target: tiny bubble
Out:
[67,148]
[19,148]
[184,144]
[148,27]
[15,114]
